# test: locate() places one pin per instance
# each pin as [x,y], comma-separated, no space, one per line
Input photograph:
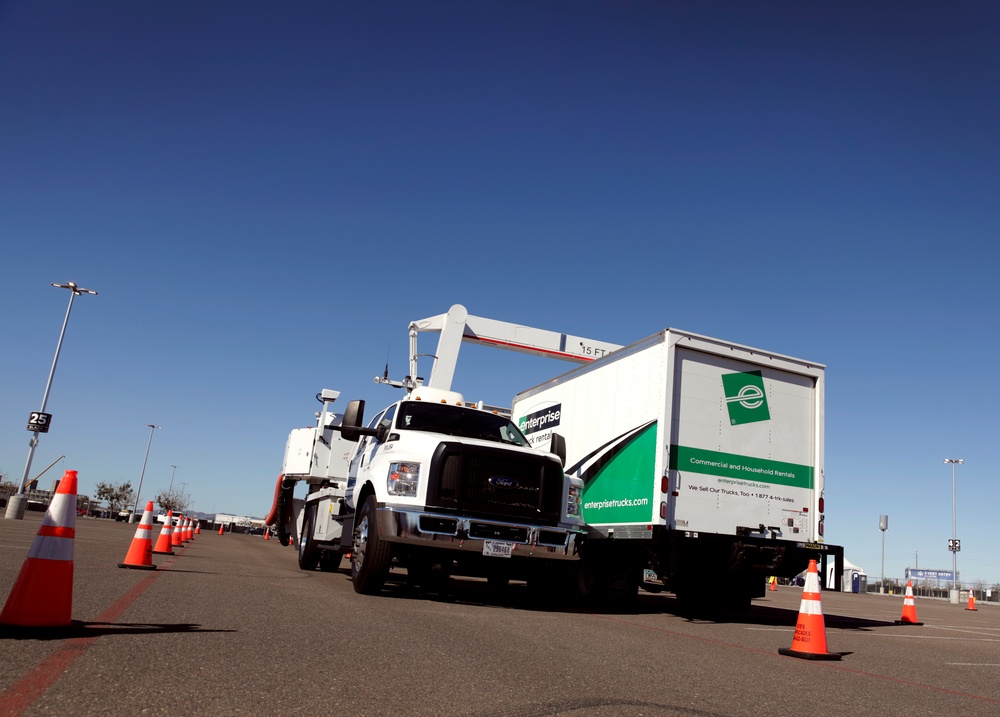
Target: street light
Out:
[135,507]
[883,525]
[39,422]
[954,545]
[172,474]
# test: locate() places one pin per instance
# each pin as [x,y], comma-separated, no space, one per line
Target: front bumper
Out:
[450,532]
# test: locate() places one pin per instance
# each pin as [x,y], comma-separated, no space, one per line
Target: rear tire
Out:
[329,561]
[370,555]
[309,554]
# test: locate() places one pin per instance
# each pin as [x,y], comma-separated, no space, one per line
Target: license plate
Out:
[497,548]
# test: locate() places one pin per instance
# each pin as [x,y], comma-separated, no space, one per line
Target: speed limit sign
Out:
[39,421]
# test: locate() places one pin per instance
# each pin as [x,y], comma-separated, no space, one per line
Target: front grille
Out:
[481,481]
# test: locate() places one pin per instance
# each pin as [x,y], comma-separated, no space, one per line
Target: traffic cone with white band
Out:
[909,616]
[140,552]
[972,602]
[43,592]
[163,545]
[175,537]
[809,641]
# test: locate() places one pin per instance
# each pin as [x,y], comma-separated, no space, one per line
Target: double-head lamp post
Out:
[954,527]
[17,503]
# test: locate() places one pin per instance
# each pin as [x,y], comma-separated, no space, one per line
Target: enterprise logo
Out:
[541,420]
[746,398]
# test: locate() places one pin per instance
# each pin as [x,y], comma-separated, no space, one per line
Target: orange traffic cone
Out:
[972,602]
[267,534]
[774,584]
[909,607]
[186,535]
[140,553]
[222,529]
[163,544]
[809,641]
[43,592]
[197,528]
[175,537]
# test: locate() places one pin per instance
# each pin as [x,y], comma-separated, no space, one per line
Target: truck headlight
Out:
[573,499]
[403,480]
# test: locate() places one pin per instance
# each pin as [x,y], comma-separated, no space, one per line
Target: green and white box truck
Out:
[702,463]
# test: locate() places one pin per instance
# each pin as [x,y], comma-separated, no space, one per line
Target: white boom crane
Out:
[458,325]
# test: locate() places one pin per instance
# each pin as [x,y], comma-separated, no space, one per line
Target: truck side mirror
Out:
[354,416]
[558,446]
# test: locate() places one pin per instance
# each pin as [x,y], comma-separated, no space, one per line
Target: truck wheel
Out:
[370,555]
[308,550]
[329,561]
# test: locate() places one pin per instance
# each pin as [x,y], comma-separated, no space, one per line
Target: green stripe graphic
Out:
[731,465]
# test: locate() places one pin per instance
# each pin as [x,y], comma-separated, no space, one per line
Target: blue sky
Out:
[266,194]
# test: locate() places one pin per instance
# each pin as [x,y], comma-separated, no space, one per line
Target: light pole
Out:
[172,474]
[954,545]
[39,422]
[883,525]
[135,507]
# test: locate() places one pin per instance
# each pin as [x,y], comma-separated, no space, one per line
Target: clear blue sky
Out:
[265,194]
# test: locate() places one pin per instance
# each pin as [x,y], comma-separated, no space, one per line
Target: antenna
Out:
[385,374]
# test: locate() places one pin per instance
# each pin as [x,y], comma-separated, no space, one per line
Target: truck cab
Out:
[440,487]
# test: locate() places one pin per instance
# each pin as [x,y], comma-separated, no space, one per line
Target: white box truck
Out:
[702,463]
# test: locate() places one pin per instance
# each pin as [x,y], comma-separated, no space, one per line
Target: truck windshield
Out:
[456,421]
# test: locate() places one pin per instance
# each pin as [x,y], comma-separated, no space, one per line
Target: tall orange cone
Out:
[197,528]
[175,538]
[163,544]
[267,533]
[774,583]
[140,552]
[190,530]
[909,616]
[809,641]
[43,592]
[972,602]
[222,529]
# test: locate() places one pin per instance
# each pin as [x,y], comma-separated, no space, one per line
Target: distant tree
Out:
[174,499]
[118,495]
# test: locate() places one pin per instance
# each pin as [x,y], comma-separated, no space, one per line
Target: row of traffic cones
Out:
[140,552]
[809,641]
[42,596]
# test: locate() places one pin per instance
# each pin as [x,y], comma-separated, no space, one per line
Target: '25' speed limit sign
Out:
[39,421]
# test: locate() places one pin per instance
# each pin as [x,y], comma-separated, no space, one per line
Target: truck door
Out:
[365,453]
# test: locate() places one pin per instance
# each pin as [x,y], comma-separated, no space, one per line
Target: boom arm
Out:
[457,326]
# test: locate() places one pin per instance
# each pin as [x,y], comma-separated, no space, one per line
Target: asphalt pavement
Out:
[229,625]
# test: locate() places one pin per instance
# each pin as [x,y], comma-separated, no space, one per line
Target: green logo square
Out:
[746,398]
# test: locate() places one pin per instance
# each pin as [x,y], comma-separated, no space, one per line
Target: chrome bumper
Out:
[450,532]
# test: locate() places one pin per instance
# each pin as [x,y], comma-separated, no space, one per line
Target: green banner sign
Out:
[731,465]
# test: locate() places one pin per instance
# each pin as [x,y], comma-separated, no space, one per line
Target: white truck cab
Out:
[443,487]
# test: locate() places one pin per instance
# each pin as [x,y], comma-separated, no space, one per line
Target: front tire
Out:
[308,550]
[370,555]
